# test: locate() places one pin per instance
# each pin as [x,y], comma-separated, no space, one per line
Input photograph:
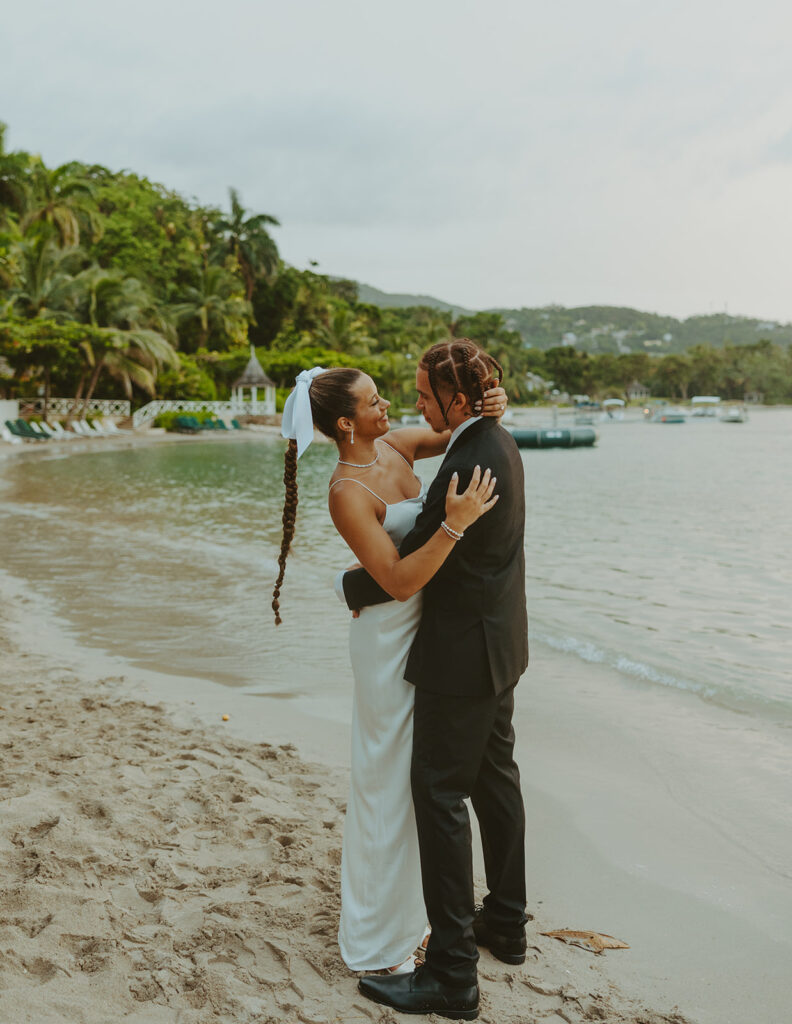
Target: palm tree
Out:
[130,356]
[13,181]
[43,277]
[249,242]
[128,337]
[214,304]
[62,199]
[344,332]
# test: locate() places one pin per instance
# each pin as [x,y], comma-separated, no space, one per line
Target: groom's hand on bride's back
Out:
[351,568]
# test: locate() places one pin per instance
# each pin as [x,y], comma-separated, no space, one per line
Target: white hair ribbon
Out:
[297,422]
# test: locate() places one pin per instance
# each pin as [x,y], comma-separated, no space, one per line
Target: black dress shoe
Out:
[510,949]
[421,992]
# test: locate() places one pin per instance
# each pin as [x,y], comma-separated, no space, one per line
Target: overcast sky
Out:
[498,153]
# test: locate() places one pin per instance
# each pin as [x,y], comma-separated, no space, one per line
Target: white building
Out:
[254,379]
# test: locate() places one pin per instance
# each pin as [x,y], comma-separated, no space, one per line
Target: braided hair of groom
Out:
[459,365]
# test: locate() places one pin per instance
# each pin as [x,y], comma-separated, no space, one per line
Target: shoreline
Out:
[133,439]
[617,842]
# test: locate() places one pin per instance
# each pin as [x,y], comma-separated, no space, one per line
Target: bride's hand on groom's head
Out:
[494,404]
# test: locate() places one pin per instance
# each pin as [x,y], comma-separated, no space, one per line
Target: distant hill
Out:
[373,296]
[616,329]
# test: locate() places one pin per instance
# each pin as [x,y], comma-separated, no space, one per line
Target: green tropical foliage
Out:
[247,240]
[113,284]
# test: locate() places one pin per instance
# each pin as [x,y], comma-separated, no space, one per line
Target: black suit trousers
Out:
[464,747]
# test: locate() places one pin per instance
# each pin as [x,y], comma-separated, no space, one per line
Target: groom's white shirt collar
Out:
[462,426]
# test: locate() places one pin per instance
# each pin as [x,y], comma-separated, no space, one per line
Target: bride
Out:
[374,500]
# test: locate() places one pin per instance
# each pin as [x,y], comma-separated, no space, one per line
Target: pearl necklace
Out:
[359,465]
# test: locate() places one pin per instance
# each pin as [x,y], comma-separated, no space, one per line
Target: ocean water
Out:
[662,553]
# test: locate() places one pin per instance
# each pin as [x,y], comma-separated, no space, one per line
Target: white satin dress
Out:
[382,909]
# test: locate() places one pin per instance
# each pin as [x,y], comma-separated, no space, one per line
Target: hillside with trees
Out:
[112,285]
[611,329]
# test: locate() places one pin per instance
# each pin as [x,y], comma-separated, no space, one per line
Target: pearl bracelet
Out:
[453,534]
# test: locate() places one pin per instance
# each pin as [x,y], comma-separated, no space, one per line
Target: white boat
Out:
[734,414]
[704,406]
[613,410]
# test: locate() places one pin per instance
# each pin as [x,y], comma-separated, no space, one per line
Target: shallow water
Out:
[662,553]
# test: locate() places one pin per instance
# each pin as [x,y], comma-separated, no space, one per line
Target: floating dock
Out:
[579,437]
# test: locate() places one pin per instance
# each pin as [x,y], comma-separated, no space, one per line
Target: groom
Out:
[469,652]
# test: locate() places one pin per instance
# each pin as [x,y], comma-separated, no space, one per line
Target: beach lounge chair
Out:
[112,430]
[38,429]
[7,436]
[60,434]
[23,429]
[14,431]
[81,428]
[186,425]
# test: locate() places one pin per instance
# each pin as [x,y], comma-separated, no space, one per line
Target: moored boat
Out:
[668,414]
[704,406]
[613,410]
[734,414]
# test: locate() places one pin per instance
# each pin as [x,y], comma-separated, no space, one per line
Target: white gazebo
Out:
[255,379]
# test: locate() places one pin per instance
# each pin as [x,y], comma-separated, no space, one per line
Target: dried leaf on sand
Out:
[594,942]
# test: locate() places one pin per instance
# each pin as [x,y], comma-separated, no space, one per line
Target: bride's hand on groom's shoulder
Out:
[494,404]
[462,510]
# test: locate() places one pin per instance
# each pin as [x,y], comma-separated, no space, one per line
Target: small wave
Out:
[726,696]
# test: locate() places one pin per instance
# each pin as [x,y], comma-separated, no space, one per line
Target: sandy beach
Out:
[160,864]
[154,869]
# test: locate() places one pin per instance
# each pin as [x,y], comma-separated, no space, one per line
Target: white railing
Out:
[95,406]
[149,412]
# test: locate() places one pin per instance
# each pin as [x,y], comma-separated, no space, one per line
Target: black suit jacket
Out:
[473,636]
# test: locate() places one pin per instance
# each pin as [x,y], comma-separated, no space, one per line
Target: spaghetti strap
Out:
[383,441]
[352,480]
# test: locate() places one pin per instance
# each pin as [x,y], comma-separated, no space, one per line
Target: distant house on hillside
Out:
[754,397]
[637,392]
[537,383]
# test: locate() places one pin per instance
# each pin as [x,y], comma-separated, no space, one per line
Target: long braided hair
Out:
[460,365]
[331,397]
